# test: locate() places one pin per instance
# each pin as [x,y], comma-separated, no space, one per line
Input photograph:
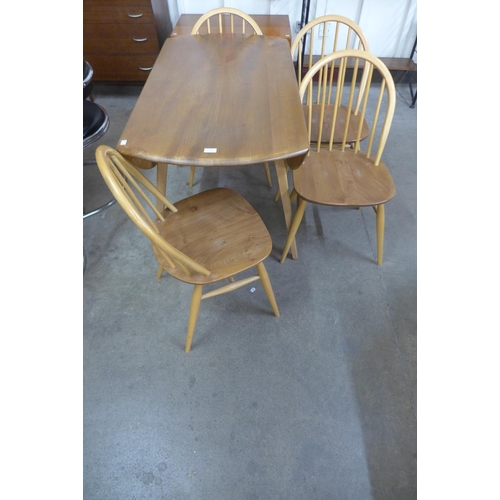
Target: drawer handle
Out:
[134,15]
[139,39]
[145,69]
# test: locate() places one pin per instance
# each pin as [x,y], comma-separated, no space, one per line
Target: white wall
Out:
[389,25]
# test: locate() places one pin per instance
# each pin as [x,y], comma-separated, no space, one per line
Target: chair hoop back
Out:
[327,67]
[345,34]
[130,189]
[225,10]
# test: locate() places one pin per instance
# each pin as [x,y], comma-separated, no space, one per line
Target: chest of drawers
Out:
[120,39]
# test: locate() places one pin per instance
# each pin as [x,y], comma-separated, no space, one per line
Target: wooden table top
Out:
[271,25]
[219,100]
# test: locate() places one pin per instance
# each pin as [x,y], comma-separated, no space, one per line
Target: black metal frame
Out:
[304,19]
[410,77]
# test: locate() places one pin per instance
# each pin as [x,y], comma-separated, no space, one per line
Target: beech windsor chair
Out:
[347,177]
[219,12]
[203,239]
[329,34]
[342,34]
[219,28]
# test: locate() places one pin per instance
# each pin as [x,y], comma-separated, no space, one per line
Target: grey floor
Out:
[319,403]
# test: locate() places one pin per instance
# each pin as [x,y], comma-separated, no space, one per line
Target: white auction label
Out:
[210,150]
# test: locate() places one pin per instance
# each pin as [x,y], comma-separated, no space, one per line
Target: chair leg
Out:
[193,315]
[191,177]
[268,174]
[293,194]
[266,283]
[159,272]
[380,233]
[277,195]
[301,206]
[161,183]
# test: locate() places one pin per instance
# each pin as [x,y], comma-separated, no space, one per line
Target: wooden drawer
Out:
[118,14]
[120,39]
[121,46]
[121,68]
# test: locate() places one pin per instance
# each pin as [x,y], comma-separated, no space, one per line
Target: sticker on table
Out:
[123,143]
[210,150]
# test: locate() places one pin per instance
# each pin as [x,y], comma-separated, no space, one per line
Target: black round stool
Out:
[95,125]
[95,122]
[88,73]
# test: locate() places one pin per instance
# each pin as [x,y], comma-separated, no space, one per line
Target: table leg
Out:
[281,172]
[161,182]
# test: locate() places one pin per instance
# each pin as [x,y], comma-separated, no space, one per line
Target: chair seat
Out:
[95,122]
[343,178]
[234,237]
[339,124]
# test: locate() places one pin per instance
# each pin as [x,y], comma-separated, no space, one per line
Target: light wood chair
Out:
[325,35]
[220,27]
[204,239]
[343,176]
[332,33]
[221,14]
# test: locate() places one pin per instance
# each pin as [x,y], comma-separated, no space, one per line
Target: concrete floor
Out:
[317,404]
